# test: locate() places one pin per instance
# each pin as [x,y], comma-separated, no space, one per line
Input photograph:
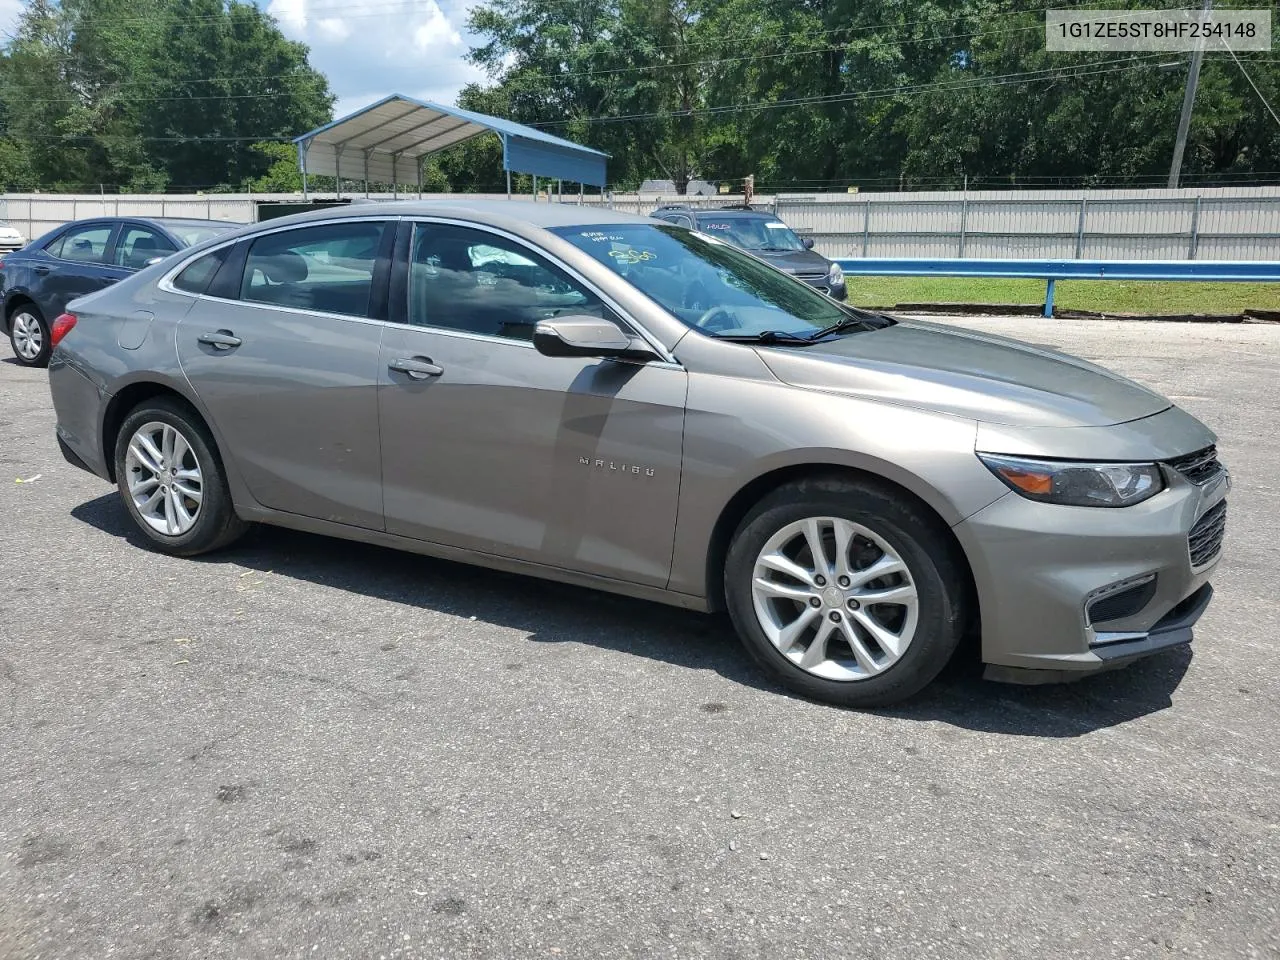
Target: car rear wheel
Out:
[172,481]
[845,592]
[29,336]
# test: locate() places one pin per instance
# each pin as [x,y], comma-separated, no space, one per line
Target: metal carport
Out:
[388,139]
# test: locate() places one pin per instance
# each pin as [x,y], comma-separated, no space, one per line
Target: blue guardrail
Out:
[1051,271]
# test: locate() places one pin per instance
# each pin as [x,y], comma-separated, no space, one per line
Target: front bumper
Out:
[1039,567]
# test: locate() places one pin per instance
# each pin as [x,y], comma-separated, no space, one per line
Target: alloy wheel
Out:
[28,336]
[834,598]
[164,478]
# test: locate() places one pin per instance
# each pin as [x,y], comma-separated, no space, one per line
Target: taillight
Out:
[61,327]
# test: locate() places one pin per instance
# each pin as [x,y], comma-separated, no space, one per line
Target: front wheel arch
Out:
[744,500]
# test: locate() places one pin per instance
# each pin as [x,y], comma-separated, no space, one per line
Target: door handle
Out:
[42,271]
[108,281]
[221,340]
[419,368]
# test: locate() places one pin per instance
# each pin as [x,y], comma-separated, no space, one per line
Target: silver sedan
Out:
[617,402]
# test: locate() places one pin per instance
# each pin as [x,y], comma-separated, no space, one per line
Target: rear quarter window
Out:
[197,275]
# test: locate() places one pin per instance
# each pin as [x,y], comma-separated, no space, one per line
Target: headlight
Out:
[1077,484]
[835,274]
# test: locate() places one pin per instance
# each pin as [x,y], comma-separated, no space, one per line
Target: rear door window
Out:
[326,268]
[87,244]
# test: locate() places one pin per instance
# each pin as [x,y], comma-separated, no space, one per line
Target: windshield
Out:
[193,233]
[752,233]
[709,284]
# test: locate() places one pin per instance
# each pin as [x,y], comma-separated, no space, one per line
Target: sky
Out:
[369,49]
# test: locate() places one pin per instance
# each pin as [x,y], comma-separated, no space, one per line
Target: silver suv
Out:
[613,401]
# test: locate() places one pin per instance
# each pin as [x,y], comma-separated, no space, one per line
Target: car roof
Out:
[153,221]
[497,212]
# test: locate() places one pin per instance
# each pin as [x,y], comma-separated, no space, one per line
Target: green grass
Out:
[1100,296]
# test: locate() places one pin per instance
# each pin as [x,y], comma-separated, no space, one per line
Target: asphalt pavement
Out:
[308,748]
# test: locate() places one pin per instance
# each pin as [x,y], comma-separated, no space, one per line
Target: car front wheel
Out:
[845,592]
[172,481]
[29,337]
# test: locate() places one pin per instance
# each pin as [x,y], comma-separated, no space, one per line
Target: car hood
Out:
[804,262]
[968,374]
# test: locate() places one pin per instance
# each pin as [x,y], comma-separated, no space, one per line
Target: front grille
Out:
[1198,467]
[1205,539]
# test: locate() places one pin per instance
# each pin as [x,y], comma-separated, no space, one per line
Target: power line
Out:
[1264,100]
[999,80]
[519,78]
[514,80]
[390,7]
[1109,66]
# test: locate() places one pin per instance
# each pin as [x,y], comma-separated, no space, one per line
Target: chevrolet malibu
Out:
[611,401]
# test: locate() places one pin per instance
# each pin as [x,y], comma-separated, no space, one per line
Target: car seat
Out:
[144,249]
[281,271]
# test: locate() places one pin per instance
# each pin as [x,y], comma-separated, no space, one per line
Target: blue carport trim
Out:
[525,149]
[1050,271]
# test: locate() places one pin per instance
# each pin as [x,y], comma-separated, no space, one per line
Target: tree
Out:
[283,175]
[815,95]
[140,94]
[558,64]
[230,79]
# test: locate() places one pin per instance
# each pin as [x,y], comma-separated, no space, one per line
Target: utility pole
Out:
[1188,101]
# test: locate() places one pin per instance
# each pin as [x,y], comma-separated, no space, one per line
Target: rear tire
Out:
[29,336]
[172,480]
[828,626]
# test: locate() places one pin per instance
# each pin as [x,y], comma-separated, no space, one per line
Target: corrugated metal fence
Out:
[1206,224]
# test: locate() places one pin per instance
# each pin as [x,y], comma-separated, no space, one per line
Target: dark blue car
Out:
[767,237]
[78,258]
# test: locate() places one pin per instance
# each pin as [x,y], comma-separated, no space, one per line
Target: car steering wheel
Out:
[707,320]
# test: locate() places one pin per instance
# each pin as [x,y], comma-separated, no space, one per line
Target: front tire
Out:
[29,336]
[172,481]
[845,591]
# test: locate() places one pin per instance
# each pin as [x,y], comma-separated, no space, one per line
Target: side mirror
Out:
[808,243]
[581,336]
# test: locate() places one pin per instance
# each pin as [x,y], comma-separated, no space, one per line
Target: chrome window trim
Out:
[637,328]
[282,309]
[165,283]
[434,331]
[456,334]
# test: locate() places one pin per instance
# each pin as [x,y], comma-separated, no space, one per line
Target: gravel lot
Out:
[306,748]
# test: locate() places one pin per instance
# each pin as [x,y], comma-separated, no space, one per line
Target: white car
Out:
[10,239]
